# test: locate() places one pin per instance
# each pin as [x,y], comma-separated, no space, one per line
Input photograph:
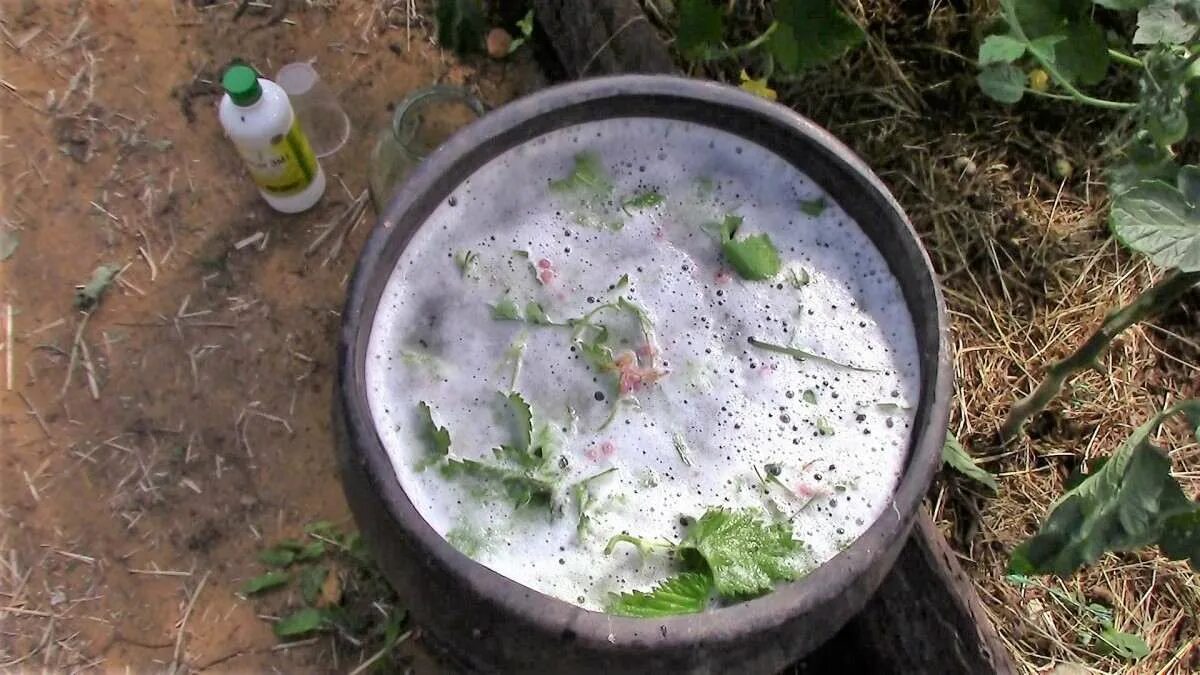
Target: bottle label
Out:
[285,167]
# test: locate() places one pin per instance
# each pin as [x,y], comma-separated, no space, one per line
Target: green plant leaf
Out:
[701,28]
[1002,82]
[754,258]
[1180,539]
[813,207]
[1129,502]
[525,25]
[1000,49]
[460,25]
[643,200]
[1162,23]
[811,33]
[301,623]
[1081,53]
[264,582]
[1122,5]
[506,310]
[311,580]
[1124,645]
[587,174]
[1043,17]
[1143,159]
[745,555]
[89,296]
[519,418]
[520,487]
[955,455]
[1154,219]
[1083,56]
[311,551]
[436,439]
[724,229]
[277,556]
[687,593]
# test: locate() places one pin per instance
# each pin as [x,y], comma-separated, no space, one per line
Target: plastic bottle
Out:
[258,118]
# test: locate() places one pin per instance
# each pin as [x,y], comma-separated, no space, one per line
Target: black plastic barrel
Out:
[489,623]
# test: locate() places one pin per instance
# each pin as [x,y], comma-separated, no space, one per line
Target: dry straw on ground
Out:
[1011,205]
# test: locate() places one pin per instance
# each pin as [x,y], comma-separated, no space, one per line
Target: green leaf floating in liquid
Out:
[686,593]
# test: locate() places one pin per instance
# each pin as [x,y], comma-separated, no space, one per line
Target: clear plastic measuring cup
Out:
[321,116]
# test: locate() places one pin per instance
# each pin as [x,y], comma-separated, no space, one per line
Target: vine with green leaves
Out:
[1062,49]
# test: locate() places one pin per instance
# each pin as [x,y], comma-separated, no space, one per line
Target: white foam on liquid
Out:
[738,407]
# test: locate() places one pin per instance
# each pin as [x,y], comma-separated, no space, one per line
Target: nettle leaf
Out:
[460,25]
[1162,23]
[519,416]
[754,257]
[587,175]
[437,439]
[745,555]
[701,27]
[506,310]
[311,580]
[1129,502]
[687,593]
[301,622]
[264,582]
[1000,49]
[643,200]
[811,33]
[1155,219]
[955,455]
[1002,82]
[724,229]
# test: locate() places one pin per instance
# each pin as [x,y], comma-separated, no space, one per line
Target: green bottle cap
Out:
[241,83]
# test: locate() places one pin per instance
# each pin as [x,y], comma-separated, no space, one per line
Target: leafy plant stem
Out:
[1011,17]
[1079,95]
[1152,301]
[727,52]
[1121,57]
[1047,94]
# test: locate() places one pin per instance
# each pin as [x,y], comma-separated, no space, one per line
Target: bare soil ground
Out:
[153,446]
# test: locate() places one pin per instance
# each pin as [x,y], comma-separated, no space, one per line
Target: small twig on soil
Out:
[160,573]
[8,347]
[34,413]
[355,219]
[149,262]
[74,354]
[347,213]
[89,370]
[183,623]
[248,241]
[1152,301]
[362,667]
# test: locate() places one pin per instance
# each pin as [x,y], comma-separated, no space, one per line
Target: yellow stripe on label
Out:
[287,166]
